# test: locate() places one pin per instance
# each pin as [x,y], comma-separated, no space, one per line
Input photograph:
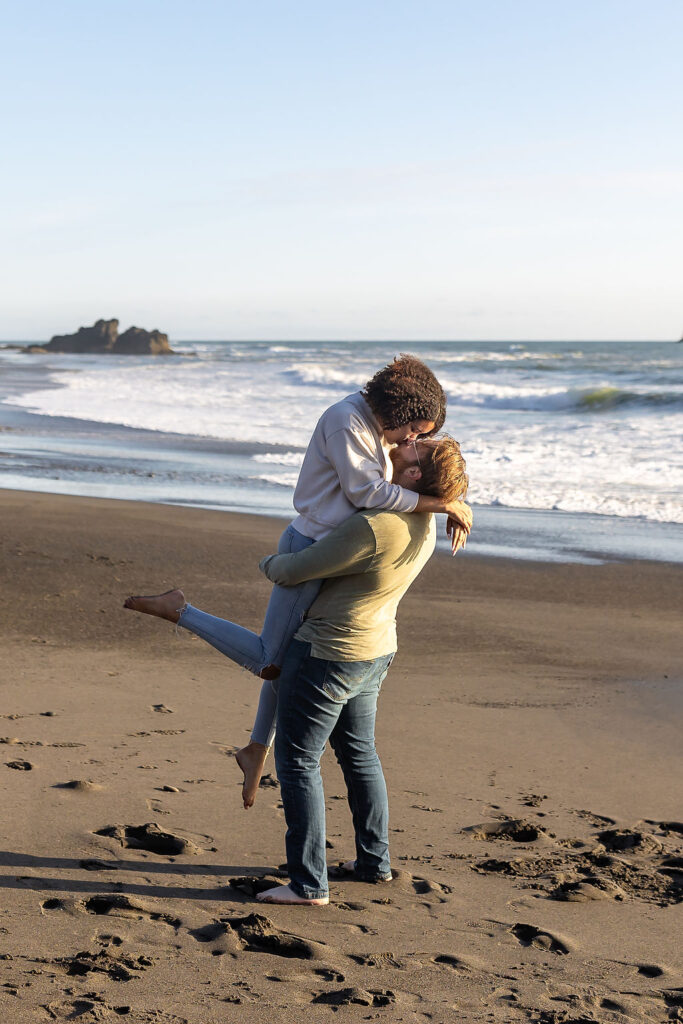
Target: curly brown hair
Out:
[404,391]
[443,469]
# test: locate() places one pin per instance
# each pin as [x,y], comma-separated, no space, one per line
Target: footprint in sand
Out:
[257,934]
[454,962]
[119,905]
[220,936]
[650,970]
[378,960]
[358,996]
[513,830]
[530,935]
[106,940]
[624,840]
[89,1008]
[588,890]
[671,826]
[20,766]
[594,819]
[328,974]
[534,799]
[155,732]
[93,864]
[113,905]
[522,867]
[357,908]
[118,968]
[252,885]
[150,837]
[154,805]
[404,881]
[79,785]
[673,998]
[55,904]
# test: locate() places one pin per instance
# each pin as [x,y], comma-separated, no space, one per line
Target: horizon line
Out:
[388,340]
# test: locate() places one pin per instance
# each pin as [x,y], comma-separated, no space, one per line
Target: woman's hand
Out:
[458,524]
[457,533]
[461,513]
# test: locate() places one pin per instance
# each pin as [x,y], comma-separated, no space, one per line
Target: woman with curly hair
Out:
[346,467]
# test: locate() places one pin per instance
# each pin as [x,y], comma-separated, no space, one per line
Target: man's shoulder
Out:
[389,525]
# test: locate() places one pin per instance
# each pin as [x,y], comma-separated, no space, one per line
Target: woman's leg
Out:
[282,620]
[286,609]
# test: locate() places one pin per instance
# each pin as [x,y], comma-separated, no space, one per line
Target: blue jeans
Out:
[335,700]
[286,609]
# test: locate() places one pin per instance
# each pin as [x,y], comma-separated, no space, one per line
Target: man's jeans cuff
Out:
[311,894]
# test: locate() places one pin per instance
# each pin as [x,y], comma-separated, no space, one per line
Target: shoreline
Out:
[529,733]
[533,535]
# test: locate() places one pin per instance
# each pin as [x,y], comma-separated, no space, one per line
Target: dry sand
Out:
[529,731]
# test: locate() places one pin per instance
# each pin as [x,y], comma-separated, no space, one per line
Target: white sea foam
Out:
[287,480]
[596,433]
[281,458]
[316,373]
[516,356]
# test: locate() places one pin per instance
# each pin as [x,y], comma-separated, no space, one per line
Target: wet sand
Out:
[530,735]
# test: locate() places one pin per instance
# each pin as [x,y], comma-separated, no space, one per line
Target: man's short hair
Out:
[443,468]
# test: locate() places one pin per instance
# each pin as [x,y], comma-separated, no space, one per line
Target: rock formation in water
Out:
[136,340]
[103,337]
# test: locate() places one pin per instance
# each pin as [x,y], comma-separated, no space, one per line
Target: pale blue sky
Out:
[384,169]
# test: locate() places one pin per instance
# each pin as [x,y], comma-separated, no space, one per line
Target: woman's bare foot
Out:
[251,760]
[164,606]
[284,894]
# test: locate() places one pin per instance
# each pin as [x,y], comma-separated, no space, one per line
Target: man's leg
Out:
[353,741]
[306,717]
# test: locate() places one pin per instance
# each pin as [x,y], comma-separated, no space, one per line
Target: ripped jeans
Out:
[286,609]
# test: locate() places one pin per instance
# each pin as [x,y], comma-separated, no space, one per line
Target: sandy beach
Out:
[530,736]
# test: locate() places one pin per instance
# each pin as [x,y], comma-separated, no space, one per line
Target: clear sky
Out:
[498,169]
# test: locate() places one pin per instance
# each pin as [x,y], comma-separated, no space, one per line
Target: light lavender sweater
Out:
[346,468]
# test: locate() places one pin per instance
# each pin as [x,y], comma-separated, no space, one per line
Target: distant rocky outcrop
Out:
[136,340]
[104,338]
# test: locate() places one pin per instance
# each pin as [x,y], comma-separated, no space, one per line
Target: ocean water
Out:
[573,443]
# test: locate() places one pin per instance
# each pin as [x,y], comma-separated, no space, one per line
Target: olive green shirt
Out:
[367,564]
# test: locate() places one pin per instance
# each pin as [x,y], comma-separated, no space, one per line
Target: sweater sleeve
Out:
[348,549]
[362,477]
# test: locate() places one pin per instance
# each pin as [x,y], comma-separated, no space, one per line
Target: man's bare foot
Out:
[251,760]
[285,894]
[164,606]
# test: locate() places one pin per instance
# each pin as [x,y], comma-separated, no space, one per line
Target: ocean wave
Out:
[578,435]
[651,507]
[479,357]
[320,373]
[588,399]
[281,458]
[287,480]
